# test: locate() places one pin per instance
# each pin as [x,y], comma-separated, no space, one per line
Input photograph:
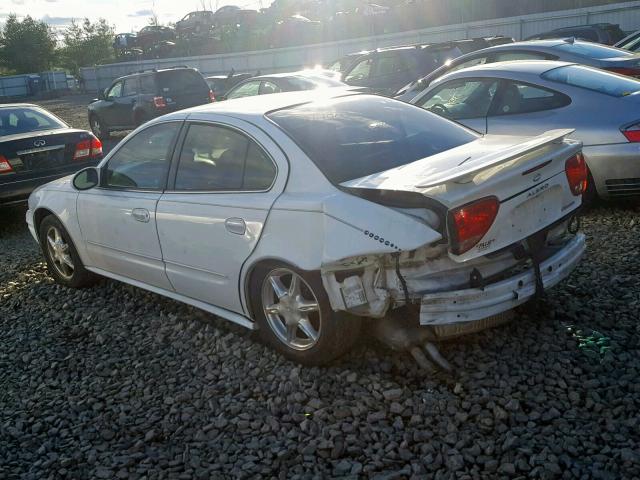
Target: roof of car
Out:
[13,105]
[534,67]
[257,106]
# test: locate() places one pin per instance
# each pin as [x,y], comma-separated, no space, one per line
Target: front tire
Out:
[295,318]
[62,258]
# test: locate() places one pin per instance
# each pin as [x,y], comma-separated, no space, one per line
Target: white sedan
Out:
[306,217]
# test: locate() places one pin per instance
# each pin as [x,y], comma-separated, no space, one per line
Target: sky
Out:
[126,16]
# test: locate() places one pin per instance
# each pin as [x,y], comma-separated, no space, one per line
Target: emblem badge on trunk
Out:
[537,177]
[39,143]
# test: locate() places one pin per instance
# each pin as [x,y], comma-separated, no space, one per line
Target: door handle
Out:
[235,225]
[141,214]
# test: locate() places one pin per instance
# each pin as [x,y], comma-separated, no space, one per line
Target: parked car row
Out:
[306,207]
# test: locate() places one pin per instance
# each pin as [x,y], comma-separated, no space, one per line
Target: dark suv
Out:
[133,99]
[386,70]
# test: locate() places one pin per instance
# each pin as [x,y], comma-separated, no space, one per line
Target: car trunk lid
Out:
[525,174]
[43,152]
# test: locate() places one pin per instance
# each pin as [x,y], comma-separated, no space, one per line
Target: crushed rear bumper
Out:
[478,303]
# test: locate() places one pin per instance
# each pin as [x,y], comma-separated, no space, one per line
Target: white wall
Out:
[627,15]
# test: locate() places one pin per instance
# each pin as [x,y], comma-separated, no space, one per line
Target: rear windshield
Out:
[313,82]
[24,119]
[594,79]
[355,136]
[181,81]
[593,50]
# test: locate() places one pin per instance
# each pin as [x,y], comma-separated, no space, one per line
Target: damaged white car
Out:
[309,217]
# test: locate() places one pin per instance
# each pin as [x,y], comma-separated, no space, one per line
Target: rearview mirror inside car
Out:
[86,179]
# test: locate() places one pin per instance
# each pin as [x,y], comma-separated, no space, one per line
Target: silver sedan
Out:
[530,97]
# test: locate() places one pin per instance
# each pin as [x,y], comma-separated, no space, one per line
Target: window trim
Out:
[170,155]
[501,87]
[175,162]
[469,79]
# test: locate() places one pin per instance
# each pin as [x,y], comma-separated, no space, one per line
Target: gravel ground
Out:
[114,382]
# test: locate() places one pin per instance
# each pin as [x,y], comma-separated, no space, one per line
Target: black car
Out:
[196,23]
[37,147]
[605,33]
[220,84]
[282,82]
[386,70]
[133,99]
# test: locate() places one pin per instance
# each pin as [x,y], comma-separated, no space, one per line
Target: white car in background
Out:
[306,216]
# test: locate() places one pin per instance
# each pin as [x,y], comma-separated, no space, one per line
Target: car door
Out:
[391,71]
[123,105]
[117,219]
[227,176]
[525,109]
[465,100]
[109,109]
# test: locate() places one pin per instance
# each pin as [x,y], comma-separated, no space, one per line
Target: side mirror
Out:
[86,179]
[103,94]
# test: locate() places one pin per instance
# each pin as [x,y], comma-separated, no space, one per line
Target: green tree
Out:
[87,44]
[26,46]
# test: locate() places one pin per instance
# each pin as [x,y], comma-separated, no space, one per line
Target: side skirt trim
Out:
[221,312]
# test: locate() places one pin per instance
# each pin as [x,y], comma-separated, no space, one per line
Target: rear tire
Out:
[62,258]
[99,128]
[295,317]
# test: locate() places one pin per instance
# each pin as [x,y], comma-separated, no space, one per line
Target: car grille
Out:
[622,187]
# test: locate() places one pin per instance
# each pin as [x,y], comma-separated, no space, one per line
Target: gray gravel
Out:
[113,382]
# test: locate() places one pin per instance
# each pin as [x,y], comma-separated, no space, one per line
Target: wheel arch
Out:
[39,215]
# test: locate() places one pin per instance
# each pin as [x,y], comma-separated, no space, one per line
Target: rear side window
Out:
[181,80]
[216,158]
[509,56]
[148,84]
[130,87]
[518,97]
[248,89]
[355,136]
[594,79]
[593,50]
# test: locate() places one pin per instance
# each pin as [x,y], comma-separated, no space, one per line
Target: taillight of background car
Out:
[5,166]
[577,174]
[632,132]
[469,223]
[159,102]
[89,148]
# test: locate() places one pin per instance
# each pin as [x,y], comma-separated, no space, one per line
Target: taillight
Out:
[5,166]
[577,174]
[469,223]
[628,71]
[159,102]
[632,132]
[212,97]
[89,148]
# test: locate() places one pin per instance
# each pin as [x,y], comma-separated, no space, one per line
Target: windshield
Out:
[593,50]
[23,120]
[594,79]
[355,136]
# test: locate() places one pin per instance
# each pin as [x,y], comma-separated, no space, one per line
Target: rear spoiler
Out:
[490,159]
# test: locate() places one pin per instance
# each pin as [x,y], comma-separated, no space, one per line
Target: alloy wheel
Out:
[59,254]
[292,309]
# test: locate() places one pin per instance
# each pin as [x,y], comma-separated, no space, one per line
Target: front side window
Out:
[518,97]
[142,162]
[460,99]
[115,91]
[594,79]
[215,158]
[360,71]
[357,135]
[248,89]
